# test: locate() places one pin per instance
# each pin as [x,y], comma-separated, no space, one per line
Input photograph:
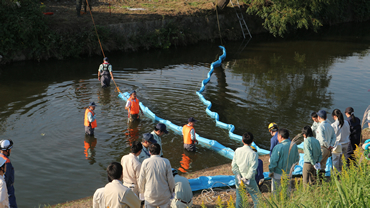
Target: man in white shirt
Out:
[116,195]
[131,166]
[156,180]
[183,193]
[98,198]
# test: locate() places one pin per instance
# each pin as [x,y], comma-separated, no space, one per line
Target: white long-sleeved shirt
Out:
[156,180]
[182,189]
[342,133]
[4,198]
[116,195]
[245,162]
[131,169]
[98,198]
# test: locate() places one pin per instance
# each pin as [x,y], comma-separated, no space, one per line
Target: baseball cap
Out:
[133,91]
[162,127]
[174,172]
[149,137]
[105,59]
[273,127]
[92,104]
[6,144]
[321,114]
[191,119]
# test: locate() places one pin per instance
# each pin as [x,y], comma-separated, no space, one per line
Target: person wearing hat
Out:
[105,73]
[188,132]
[156,180]
[147,140]
[90,119]
[355,136]
[158,131]
[6,148]
[273,128]
[133,107]
[4,198]
[244,167]
[132,166]
[183,194]
[326,136]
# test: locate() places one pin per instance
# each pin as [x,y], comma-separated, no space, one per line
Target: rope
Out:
[218,22]
[210,195]
[87,2]
[101,47]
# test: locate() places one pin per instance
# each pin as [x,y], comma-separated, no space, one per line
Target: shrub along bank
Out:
[25,33]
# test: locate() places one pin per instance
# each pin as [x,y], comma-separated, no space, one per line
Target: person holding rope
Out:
[133,107]
[105,73]
[90,119]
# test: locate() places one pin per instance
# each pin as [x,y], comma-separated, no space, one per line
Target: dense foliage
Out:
[283,16]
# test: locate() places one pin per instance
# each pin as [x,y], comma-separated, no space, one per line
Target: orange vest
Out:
[134,106]
[186,134]
[87,123]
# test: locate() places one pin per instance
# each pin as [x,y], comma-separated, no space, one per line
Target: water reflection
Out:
[89,144]
[132,133]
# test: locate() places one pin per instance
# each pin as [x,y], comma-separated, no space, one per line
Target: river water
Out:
[271,80]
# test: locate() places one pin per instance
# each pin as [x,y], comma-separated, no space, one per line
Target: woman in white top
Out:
[342,132]
[4,198]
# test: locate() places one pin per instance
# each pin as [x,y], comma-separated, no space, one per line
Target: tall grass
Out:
[350,188]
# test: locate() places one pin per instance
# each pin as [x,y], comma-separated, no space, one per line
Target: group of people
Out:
[7,197]
[144,177]
[321,140]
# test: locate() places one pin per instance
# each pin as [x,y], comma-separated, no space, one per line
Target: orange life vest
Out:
[186,134]
[87,123]
[134,106]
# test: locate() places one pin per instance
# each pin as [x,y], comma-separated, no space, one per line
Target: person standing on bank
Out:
[133,107]
[342,132]
[315,123]
[156,179]
[188,132]
[244,166]
[79,4]
[115,193]
[4,197]
[158,131]
[283,156]
[90,119]
[312,156]
[6,148]
[131,166]
[355,128]
[326,136]
[273,128]
[146,142]
[105,73]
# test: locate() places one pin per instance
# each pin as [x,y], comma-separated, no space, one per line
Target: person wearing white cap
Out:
[6,148]
[90,119]
[4,199]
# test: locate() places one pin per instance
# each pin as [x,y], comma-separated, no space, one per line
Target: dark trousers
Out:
[105,81]
[89,130]
[309,173]
[79,4]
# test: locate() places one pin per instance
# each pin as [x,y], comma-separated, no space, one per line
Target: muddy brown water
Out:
[271,80]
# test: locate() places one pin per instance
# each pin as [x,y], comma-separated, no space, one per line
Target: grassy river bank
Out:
[348,189]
